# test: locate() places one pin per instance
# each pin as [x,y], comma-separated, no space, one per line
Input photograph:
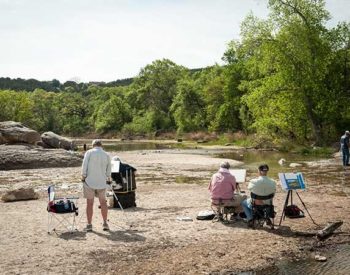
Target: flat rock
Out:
[320,258]
[294,165]
[20,194]
[24,156]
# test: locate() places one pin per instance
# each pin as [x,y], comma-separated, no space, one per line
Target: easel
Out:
[292,182]
[290,196]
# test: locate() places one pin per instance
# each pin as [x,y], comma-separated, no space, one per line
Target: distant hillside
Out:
[119,82]
[19,84]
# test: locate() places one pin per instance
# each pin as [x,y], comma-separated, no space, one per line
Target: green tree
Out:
[73,113]
[287,57]
[112,115]
[45,111]
[188,107]
[16,106]
[154,90]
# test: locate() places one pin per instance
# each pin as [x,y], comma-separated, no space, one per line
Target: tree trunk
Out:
[328,230]
[315,124]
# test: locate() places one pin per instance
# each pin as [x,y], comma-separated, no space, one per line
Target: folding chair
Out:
[61,211]
[262,213]
[221,211]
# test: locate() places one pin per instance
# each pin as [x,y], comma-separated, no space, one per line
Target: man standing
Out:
[96,171]
[344,144]
[261,186]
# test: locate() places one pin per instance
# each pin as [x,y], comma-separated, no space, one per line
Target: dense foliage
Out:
[288,77]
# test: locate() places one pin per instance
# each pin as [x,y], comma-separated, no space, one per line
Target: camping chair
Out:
[62,212]
[262,213]
[222,211]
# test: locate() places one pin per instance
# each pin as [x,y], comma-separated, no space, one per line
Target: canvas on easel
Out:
[239,174]
[292,182]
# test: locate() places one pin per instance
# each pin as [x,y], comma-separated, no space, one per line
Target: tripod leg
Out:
[284,207]
[116,198]
[306,208]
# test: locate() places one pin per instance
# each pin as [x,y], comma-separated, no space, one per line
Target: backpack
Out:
[63,206]
[292,211]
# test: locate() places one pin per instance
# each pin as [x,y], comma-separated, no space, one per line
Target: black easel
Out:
[290,195]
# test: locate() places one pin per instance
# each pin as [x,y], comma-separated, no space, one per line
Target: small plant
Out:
[187,180]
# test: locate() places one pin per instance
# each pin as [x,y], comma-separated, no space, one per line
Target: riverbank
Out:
[149,239]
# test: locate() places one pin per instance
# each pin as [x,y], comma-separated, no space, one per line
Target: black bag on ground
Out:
[64,206]
[292,211]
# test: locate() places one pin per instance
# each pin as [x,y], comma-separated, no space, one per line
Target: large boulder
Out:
[12,132]
[56,141]
[20,195]
[25,156]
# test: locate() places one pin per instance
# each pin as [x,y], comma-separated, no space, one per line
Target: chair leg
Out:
[218,210]
[69,223]
[49,220]
[273,224]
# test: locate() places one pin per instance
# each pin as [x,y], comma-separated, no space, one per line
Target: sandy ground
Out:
[149,239]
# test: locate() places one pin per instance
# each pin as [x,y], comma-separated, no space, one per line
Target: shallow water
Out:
[337,263]
[132,146]
[318,170]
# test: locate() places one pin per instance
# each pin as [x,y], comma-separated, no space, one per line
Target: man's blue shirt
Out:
[344,141]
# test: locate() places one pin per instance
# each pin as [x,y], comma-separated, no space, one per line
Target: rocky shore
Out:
[149,239]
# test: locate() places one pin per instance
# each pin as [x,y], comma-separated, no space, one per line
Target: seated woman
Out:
[222,188]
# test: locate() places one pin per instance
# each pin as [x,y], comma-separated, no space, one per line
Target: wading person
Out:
[344,147]
[261,186]
[222,187]
[96,171]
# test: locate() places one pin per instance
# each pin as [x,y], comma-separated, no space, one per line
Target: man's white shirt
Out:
[96,168]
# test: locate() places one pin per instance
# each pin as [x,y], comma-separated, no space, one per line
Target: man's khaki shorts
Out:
[90,193]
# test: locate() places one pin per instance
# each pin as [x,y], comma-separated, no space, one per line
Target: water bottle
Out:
[66,205]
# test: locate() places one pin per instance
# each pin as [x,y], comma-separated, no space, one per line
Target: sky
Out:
[106,40]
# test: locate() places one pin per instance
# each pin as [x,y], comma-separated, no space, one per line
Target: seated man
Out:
[261,186]
[222,187]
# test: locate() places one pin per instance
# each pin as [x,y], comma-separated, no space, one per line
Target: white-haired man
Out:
[222,188]
[96,171]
